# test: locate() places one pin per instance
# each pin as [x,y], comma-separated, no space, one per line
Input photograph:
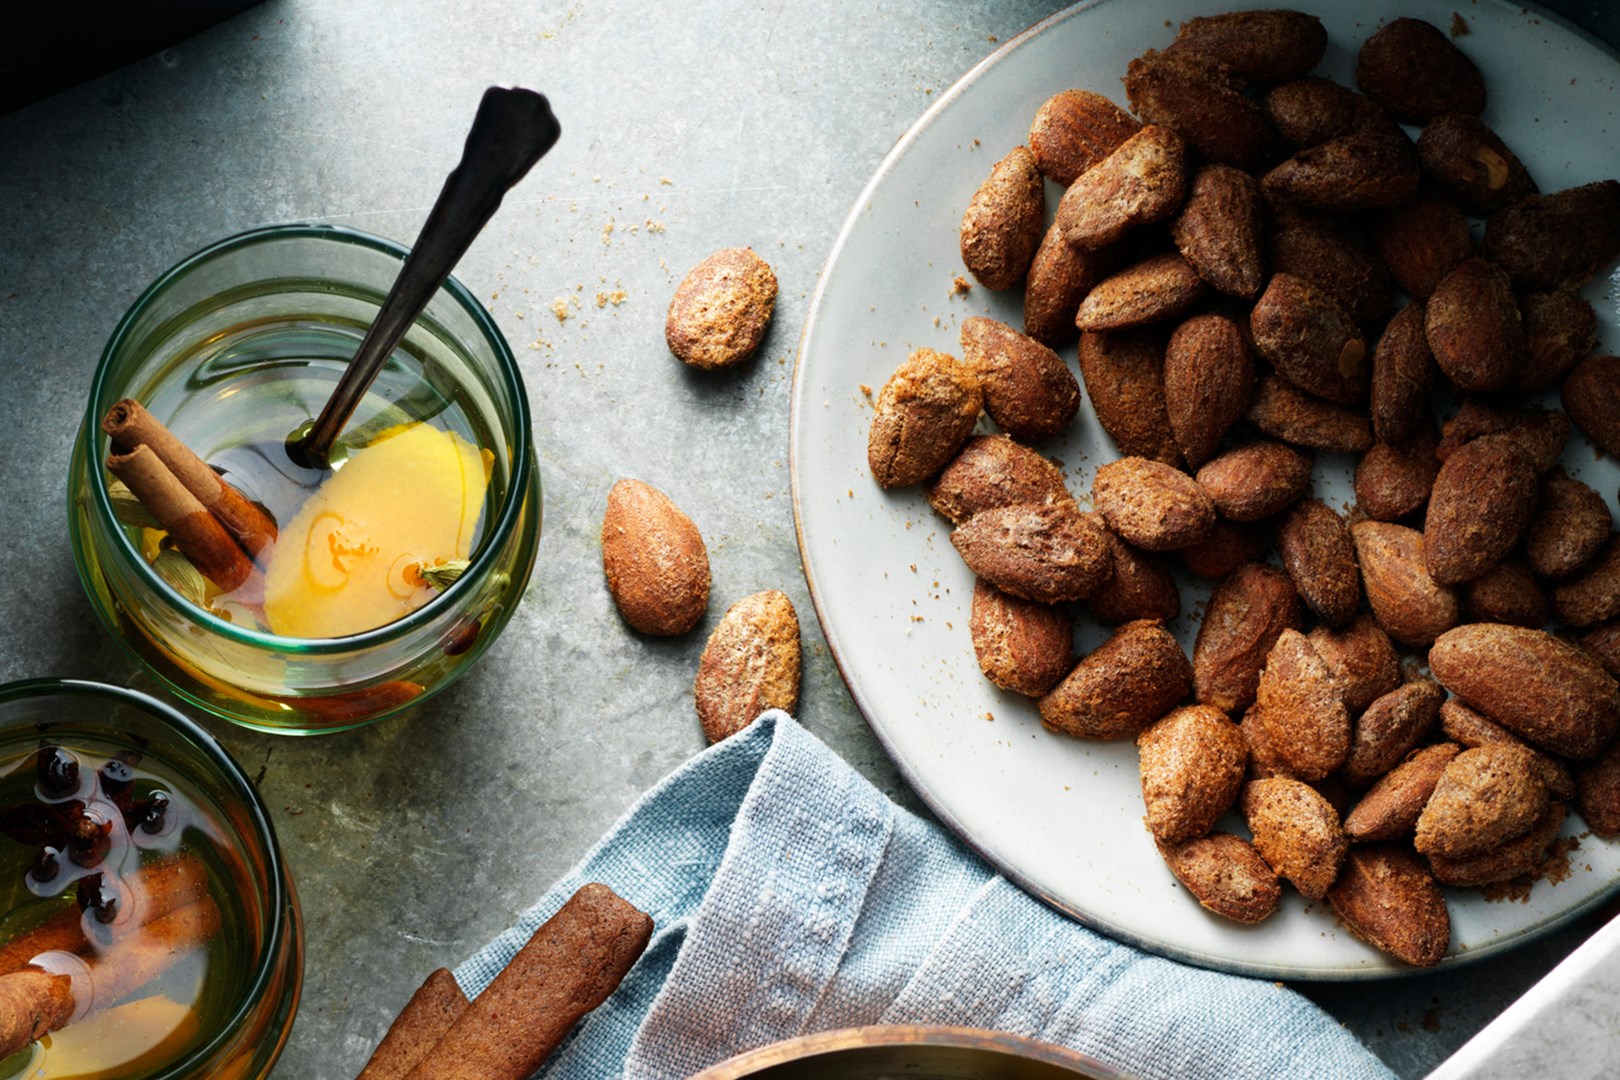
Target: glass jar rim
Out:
[494,540]
[278,886]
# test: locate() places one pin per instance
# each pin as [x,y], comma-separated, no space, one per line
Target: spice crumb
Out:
[559,308]
[1459,25]
[960,286]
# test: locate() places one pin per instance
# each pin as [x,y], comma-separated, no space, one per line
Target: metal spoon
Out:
[513,129]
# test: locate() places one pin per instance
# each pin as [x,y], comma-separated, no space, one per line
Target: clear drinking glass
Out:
[233,347]
[255,960]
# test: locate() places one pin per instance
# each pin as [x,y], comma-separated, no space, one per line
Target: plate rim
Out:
[1386,968]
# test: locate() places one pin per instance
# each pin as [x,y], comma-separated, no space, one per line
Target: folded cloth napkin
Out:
[790,896]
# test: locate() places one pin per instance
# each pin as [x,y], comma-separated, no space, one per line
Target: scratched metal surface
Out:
[718,123]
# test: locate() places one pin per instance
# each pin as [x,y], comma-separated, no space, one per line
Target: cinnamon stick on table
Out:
[197,533]
[131,426]
[569,967]
[418,1027]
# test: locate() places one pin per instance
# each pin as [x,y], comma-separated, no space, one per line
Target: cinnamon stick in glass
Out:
[196,533]
[131,426]
[418,1028]
[572,963]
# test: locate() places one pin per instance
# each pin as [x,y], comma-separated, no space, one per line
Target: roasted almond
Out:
[1301,706]
[1307,247]
[1199,98]
[1153,290]
[1260,46]
[1603,644]
[1470,728]
[1028,390]
[721,309]
[1506,593]
[923,415]
[656,566]
[1388,898]
[1546,690]
[1226,875]
[1141,587]
[1560,329]
[1544,241]
[1310,340]
[1593,595]
[1305,420]
[1473,327]
[1589,395]
[1519,857]
[1124,375]
[1312,110]
[1021,645]
[1047,552]
[1403,373]
[1192,767]
[1004,220]
[1370,169]
[1486,796]
[1218,230]
[1422,241]
[993,471]
[1314,543]
[1245,616]
[1479,507]
[1394,479]
[750,664]
[1256,480]
[1229,546]
[1472,163]
[1208,377]
[1297,831]
[1074,130]
[1144,180]
[1389,729]
[1132,679]
[1362,659]
[1059,278]
[1541,433]
[1390,809]
[1408,603]
[1151,505]
[1598,785]
[1416,73]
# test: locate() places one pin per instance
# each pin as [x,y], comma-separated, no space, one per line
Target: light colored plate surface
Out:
[1059,816]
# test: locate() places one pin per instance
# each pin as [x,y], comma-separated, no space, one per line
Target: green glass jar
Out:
[225,1004]
[230,349]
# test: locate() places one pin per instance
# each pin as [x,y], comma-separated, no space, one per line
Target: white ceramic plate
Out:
[1062,817]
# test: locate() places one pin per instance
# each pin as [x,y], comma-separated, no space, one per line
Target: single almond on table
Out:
[1143,181]
[1473,327]
[1257,480]
[1260,46]
[1314,543]
[1422,241]
[750,665]
[1479,507]
[1544,241]
[1124,375]
[1199,98]
[1362,659]
[1245,616]
[923,415]
[1415,72]
[1473,163]
[721,309]
[1537,686]
[1021,645]
[1390,809]
[1131,680]
[1301,707]
[1004,220]
[1074,130]
[1151,505]
[1292,415]
[992,471]
[1219,230]
[1226,875]
[1393,480]
[1192,767]
[656,565]
[1403,374]
[1410,605]
[1389,899]
[1593,595]
[1157,288]
[1028,390]
[1208,376]
[1487,796]
[1296,831]
[1389,729]
[1589,394]
[1047,552]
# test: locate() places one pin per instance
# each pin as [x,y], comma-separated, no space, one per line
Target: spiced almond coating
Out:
[1589,394]
[721,309]
[1257,480]
[1143,181]
[1416,73]
[1059,278]
[1510,859]
[1245,616]
[1301,706]
[1565,238]
[1219,230]
[1362,659]
[1312,110]
[1208,377]
[1319,251]
[1003,223]
[1074,130]
[1560,330]
[1390,808]
[1541,433]
[1314,542]
[750,664]
[1192,767]
[1422,241]
[1028,390]
[1469,728]
[1393,480]
[1386,896]
[1593,595]
[923,415]
[1124,375]
[1364,170]
[1261,46]
[1408,603]
[992,471]
[653,556]
[1021,645]
[1487,796]
[1151,505]
[1506,593]
[1226,875]
[1305,420]
[1130,681]
[1473,327]
[1598,797]
[1473,163]
[1141,587]
[1297,831]
[1048,552]
[1403,374]
[1389,729]
[1199,98]
[1156,289]
[1481,503]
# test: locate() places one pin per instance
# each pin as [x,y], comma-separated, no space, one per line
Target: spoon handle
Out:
[513,129]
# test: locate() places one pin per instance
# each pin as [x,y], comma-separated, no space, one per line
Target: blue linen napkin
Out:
[789,895]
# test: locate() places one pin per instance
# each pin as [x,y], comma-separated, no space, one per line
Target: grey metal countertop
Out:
[710,123]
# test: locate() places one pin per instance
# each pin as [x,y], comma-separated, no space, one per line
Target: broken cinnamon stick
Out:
[418,1028]
[130,426]
[196,533]
[33,1003]
[572,963]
